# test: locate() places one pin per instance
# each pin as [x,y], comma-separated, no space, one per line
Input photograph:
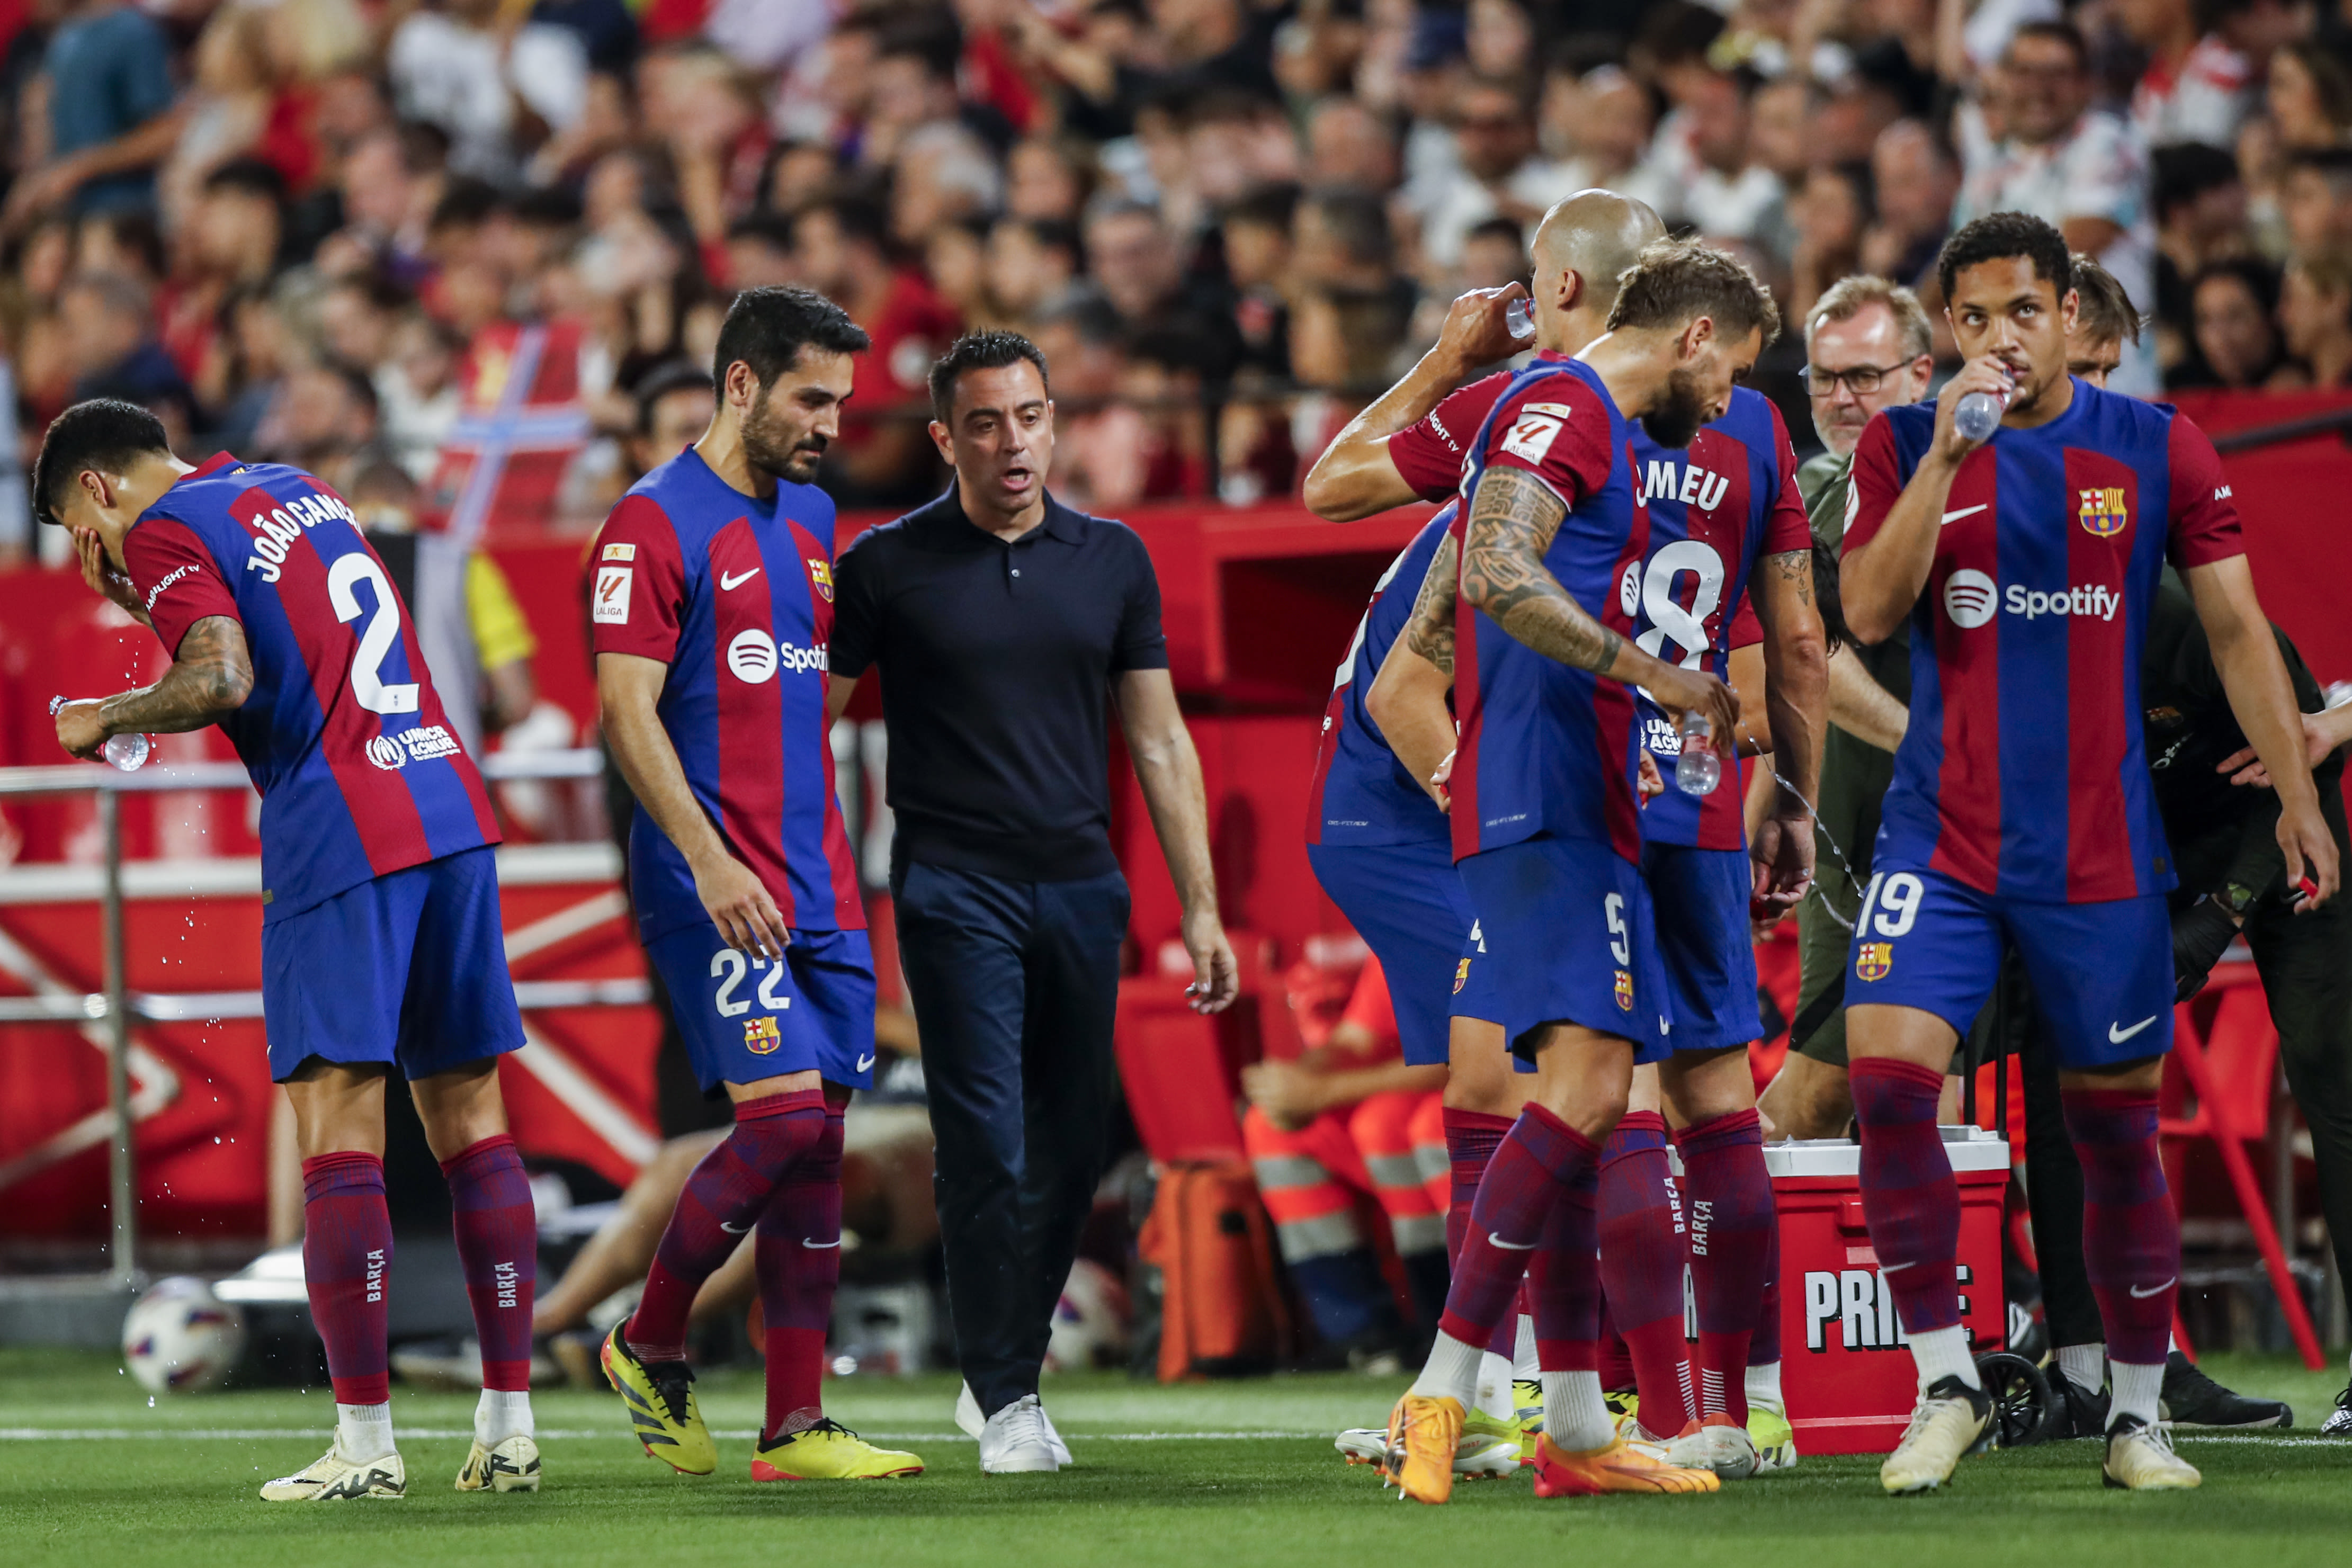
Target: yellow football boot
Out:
[660,1398]
[829,1451]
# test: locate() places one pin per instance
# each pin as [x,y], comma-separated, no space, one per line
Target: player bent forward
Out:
[2022,807]
[381,941]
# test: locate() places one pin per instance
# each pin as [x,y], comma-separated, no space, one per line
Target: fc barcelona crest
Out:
[821,576]
[2102,511]
[1874,961]
[1461,976]
[761,1037]
[1624,991]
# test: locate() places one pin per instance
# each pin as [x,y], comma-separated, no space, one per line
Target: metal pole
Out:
[123,1265]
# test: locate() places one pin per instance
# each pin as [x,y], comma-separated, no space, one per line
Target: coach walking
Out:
[1001,620]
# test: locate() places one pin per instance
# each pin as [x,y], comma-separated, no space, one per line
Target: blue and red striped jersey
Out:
[359,772]
[1362,794]
[735,595]
[1714,507]
[1546,749]
[2023,773]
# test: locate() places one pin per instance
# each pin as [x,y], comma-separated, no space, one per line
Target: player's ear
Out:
[97,488]
[2070,310]
[944,441]
[1572,289]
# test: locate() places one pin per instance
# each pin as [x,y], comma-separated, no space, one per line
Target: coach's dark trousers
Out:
[1015,986]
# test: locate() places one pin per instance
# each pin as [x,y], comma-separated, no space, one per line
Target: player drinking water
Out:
[2021,807]
[381,943]
[711,606]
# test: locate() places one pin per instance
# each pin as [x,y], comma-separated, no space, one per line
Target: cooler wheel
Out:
[2022,1401]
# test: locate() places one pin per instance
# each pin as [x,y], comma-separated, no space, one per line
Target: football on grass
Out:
[180,1337]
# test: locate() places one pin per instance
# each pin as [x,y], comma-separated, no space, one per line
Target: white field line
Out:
[746,1433]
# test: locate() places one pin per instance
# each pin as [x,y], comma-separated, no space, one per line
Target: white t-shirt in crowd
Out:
[2207,100]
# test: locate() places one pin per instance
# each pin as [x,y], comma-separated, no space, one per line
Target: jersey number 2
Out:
[728,967]
[376,638]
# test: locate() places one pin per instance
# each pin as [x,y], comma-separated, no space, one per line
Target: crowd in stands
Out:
[286,224]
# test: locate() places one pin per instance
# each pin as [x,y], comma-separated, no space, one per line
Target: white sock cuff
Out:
[1451,1372]
[2138,1390]
[1944,1353]
[501,1413]
[1576,1418]
[1524,1363]
[1495,1396]
[364,1431]
[2085,1365]
[1763,1385]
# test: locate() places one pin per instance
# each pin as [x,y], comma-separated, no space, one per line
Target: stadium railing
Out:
[115,1007]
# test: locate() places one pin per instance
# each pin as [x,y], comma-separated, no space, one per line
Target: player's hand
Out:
[1678,691]
[1648,782]
[1476,331]
[738,904]
[2322,733]
[1216,976]
[1438,782]
[80,730]
[1985,375]
[2310,851]
[1780,864]
[99,572]
[1284,1092]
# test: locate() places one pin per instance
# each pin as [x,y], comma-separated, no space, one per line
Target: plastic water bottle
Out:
[1519,316]
[1979,416]
[1699,769]
[128,753]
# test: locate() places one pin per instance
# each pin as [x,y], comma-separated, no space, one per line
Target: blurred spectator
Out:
[2197,86]
[2310,96]
[2237,343]
[1347,144]
[1033,266]
[1709,156]
[1915,177]
[109,340]
[1136,267]
[324,419]
[674,405]
[102,112]
[1502,173]
[2080,167]
[2316,201]
[2200,218]
[2314,317]
[1258,261]
[1603,122]
[460,66]
[1832,213]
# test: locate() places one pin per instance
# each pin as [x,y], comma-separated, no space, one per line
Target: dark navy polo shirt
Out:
[996,664]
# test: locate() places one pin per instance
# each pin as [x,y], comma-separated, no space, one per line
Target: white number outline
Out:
[732,961]
[376,638]
[1666,615]
[1620,944]
[768,998]
[1898,904]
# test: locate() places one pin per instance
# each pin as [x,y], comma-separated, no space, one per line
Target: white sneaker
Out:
[335,1477]
[1013,1442]
[2140,1459]
[1948,1421]
[508,1466]
[1472,1456]
[968,1420]
[1717,1444]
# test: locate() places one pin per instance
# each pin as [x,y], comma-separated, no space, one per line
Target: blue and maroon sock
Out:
[722,1201]
[1536,1161]
[497,1248]
[797,1253]
[2131,1236]
[1641,1245]
[347,1268]
[1909,1194]
[1732,1222]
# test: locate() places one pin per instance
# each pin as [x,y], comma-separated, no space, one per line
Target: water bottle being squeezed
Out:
[127,752]
[1519,316]
[1699,768]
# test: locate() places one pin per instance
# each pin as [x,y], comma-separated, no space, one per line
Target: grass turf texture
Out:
[1232,1475]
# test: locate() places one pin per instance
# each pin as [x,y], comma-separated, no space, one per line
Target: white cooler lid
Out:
[1970,1148]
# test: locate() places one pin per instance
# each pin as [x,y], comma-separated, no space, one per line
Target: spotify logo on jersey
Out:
[1628,591]
[1969,598]
[752,656]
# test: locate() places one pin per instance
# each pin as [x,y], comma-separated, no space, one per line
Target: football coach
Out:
[1005,625]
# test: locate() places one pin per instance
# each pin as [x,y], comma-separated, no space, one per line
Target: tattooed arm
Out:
[1407,698]
[1514,518]
[211,676]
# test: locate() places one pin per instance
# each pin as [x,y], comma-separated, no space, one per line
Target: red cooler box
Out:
[1844,1369]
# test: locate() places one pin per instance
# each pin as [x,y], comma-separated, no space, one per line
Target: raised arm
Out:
[2262,699]
[1356,476]
[1407,698]
[1513,517]
[1881,577]
[210,678]
[628,688]
[1169,770]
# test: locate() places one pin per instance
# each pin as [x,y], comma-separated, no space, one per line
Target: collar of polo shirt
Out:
[948,518]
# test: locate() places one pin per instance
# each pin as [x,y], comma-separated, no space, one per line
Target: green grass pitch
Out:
[1216,1476]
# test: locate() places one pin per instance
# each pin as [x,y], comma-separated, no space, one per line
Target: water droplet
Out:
[151,1402]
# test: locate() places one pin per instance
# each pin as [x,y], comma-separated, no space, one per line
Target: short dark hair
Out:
[1673,281]
[673,376]
[1998,236]
[2103,307]
[2256,276]
[2186,170]
[249,176]
[2056,32]
[2333,164]
[767,327]
[981,351]
[102,433]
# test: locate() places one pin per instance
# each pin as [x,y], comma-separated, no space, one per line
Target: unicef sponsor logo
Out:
[386,752]
[755,658]
[1970,598]
[423,744]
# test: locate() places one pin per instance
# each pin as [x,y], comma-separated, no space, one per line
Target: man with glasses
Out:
[1867,346]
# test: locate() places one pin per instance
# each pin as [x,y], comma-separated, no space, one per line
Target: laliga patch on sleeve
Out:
[1532,435]
[617,551]
[613,595]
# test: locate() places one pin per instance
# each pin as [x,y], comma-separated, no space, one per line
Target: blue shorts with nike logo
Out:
[745,1019]
[2102,972]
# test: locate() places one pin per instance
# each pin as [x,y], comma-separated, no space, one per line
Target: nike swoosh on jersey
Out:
[1510,1245]
[2152,1290]
[1965,512]
[729,579]
[2118,1034]
[864,1062]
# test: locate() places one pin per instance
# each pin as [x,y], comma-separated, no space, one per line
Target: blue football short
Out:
[1570,939]
[2102,972]
[1406,902]
[745,1019]
[1699,899]
[409,968]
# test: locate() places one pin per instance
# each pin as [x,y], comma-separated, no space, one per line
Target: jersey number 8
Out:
[1665,613]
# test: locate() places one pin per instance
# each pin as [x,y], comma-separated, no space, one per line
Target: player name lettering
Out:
[394,752]
[279,527]
[1695,488]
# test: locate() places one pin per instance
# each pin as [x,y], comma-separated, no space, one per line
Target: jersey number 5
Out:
[382,630]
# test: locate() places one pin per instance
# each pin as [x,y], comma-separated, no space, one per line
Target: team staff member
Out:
[1001,621]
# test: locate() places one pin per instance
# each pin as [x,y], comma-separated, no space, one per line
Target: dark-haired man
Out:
[1546,835]
[380,933]
[1001,620]
[711,609]
[2022,809]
